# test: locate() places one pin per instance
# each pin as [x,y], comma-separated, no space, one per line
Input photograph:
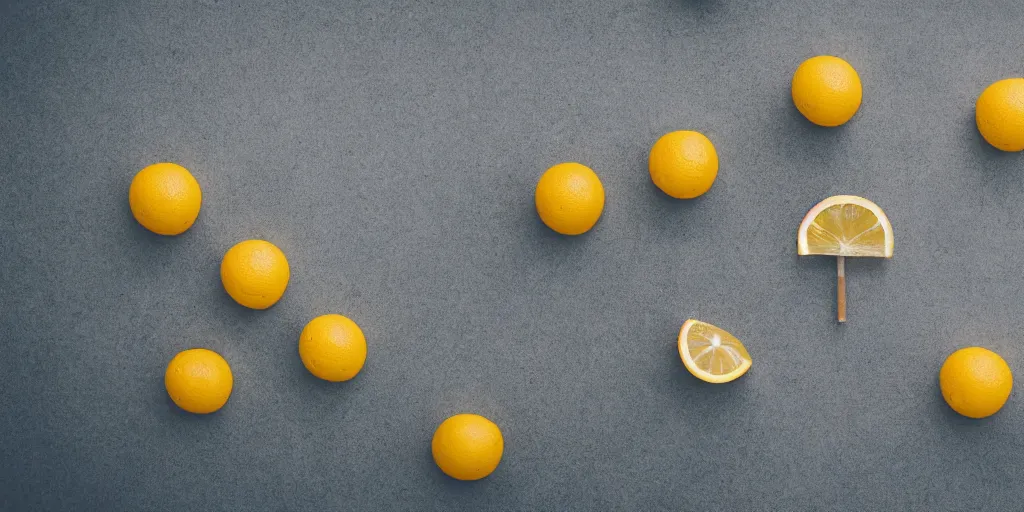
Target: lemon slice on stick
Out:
[712,354]
[845,226]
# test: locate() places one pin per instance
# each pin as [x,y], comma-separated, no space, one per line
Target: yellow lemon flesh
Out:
[845,226]
[569,198]
[826,90]
[332,347]
[467,446]
[975,382]
[683,164]
[999,113]
[165,198]
[712,354]
[255,273]
[198,380]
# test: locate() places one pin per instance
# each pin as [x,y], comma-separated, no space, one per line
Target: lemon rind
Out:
[801,238]
[684,354]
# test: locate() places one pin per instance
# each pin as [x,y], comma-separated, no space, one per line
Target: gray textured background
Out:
[391,149]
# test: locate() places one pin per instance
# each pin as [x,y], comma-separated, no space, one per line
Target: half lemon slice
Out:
[712,354]
[845,226]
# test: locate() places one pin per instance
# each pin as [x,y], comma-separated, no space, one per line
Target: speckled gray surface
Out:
[391,149]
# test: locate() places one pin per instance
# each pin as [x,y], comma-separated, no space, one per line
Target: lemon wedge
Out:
[712,354]
[845,226]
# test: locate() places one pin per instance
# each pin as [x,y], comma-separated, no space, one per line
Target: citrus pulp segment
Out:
[712,354]
[845,226]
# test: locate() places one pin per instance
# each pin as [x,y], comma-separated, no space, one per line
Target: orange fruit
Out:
[826,90]
[198,380]
[332,347]
[569,198]
[683,164]
[975,382]
[999,113]
[467,446]
[255,273]
[165,198]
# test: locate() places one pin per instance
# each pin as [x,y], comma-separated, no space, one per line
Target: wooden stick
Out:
[841,288]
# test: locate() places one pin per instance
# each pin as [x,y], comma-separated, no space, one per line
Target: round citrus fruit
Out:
[332,347]
[683,164]
[975,382]
[569,198]
[198,380]
[467,446]
[999,113]
[255,273]
[826,90]
[165,198]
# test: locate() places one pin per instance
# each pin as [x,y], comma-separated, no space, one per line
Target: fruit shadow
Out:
[670,215]
[696,400]
[321,399]
[227,306]
[147,244]
[822,272]
[178,416]
[802,141]
[816,264]
[872,267]
[540,233]
[665,203]
[151,254]
[951,419]
[702,8]
[854,265]
[544,251]
[451,486]
[470,492]
[1000,170]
